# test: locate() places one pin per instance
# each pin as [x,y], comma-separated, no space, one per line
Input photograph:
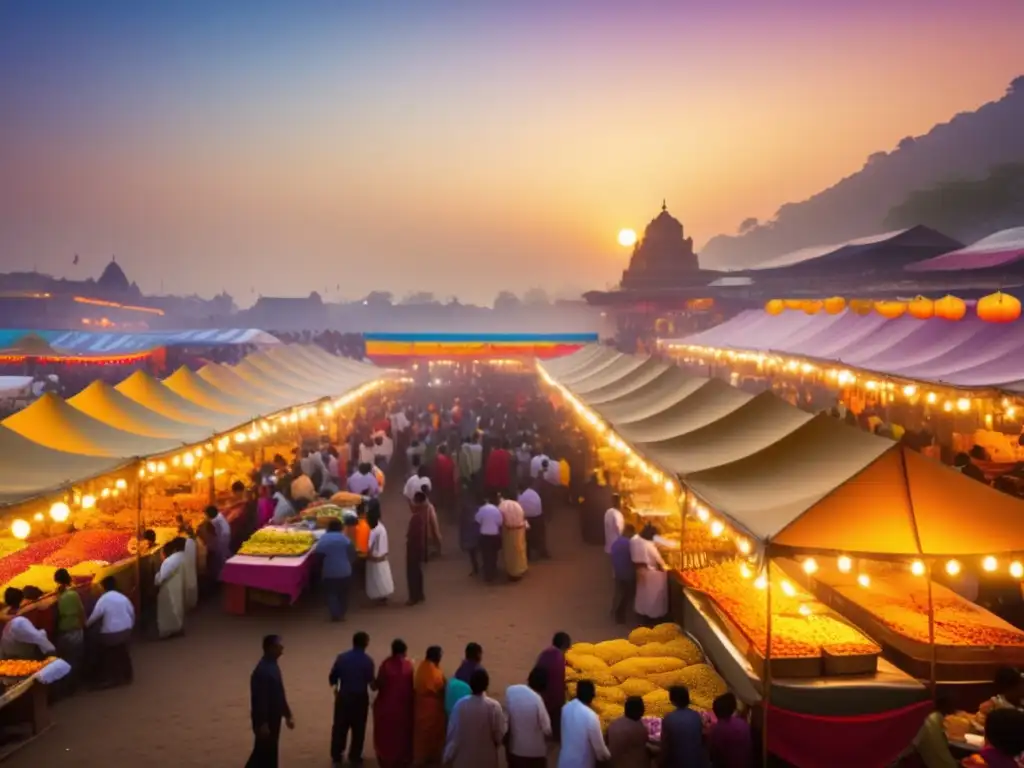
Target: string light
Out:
[120,484]
[990,564]
[810,566]
[717,527]
[804,609]
[760,582]
[743,545]
[60,512]
[788,589]
[1016,569]
[917,568]
[20,529]
[953,567]
[745,571]
[864,580]
[88,501]
[844,564]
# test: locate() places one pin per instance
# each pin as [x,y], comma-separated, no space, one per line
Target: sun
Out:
[627,238]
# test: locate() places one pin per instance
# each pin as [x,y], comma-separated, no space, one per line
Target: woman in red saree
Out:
[393,710]
[430,727]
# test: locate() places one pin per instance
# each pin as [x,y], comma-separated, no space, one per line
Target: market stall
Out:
[823,569]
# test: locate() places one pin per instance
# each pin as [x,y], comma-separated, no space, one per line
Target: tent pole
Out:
[932,660]
[766,682]
[212,482]
[138,541]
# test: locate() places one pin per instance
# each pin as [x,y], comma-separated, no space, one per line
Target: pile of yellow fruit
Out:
[278,544]
[647,664]
[21,667]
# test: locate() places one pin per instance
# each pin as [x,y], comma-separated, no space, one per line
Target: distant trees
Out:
[506,300]
[966,209]
[419,298]
[379,299]
[536,297]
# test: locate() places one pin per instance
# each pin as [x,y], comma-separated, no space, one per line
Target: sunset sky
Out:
[454,147]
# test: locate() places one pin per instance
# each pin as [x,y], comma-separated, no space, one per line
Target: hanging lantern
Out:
[812,306]
[998,307]
[922,308]
[950,308]
[793,303]
[775,307]
[861,306]
[835,305]
[890,309]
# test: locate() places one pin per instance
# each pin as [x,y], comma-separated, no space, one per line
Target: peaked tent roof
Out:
[150,393]
[184,383]
[225,378]
[29,470]
[656,397]
[1001,249]
[102,402]
[53,423]
[608,374]
[566,363]
[811,483]
[645,373]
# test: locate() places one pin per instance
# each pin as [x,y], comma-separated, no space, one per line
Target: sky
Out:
[457,147]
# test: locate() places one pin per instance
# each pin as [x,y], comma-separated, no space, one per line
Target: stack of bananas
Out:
[648,664]
[278,544]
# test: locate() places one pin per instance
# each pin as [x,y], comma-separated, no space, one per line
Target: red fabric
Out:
[444,473]
[498,472]
[393,713]
[862,741]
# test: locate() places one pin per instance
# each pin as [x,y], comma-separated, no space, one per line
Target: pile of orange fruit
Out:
[21,667]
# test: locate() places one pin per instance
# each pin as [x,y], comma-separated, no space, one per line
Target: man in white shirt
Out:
[283,509]
[582,741]
[115,615]
[364,482]
[21,639]
[528,721]
[613,522]
[533,510]
[537,464]
[415,484]
[489,518]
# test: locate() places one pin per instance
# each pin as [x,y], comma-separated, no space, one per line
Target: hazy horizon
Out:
[276,149]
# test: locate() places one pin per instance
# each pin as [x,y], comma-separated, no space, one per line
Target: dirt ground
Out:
[189,705]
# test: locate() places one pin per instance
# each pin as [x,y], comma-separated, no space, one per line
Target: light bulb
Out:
[963,404]
[161,467]
[88,501]
[760,582]
[990,564]
[121,484]
[703,515]
[864,580]
[151,467]
[743,545]
[670,487]
[810,566]
[38,517]
[804,609]
[60,512]
[188,460]
[745,571]
[844,564]
[717,528]
[917,568]
[20,529]
[1016,569]
[788,589]
[953,567]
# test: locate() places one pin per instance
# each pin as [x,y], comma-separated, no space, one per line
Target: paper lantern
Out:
[998,307]
[890,309]
[950,308]
[835,305]
[812,307]
[793,303]
[922,308]
[775,307]
[861,306]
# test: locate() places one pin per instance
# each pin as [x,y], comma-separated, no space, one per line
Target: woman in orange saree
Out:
[429,725]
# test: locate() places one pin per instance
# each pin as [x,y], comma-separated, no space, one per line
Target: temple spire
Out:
[664,207]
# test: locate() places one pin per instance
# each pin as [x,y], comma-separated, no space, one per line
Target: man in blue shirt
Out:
[351,677]
[337,553]
[625,574]
[682,733]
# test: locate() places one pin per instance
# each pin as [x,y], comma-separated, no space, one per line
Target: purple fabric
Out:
[552,661]
[852,329]
[730,744]
[931,339]
[965,258]
[286,576]
[988,343]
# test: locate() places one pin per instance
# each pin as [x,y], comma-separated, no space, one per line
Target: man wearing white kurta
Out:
[651,602]
[170,604]
[613,522]
[191,573]
[582,741]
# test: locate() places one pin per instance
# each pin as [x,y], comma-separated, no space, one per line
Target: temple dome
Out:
[114,278]
[663,257]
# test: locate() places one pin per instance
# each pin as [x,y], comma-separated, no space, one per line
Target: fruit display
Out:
[802,627]
[899,601]
[647,665]
[274,543]
[17,563]
[346,499]
[10,545]
[108,546]
[21,667]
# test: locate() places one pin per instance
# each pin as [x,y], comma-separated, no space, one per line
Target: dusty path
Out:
[189,705]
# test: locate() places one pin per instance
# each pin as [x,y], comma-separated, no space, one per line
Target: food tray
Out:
[270,557]
[837,665]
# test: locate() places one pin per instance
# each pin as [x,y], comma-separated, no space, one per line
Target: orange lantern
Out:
[793,303]
[890,309]
[835,305]
[950,308]
[861,306]
[812,306]
[775,307]
[998,307]
[922,308]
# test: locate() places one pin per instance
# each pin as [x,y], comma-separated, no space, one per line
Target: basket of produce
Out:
[322,514]
[267,543]
[22,667]
[346,499]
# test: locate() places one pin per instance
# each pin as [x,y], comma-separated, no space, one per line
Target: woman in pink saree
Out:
[393,710]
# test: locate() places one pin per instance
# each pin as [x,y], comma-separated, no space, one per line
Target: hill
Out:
[965,148]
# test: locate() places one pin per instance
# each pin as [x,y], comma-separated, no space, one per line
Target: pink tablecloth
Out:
[284,575]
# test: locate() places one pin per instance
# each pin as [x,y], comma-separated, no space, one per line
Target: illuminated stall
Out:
[844,558]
